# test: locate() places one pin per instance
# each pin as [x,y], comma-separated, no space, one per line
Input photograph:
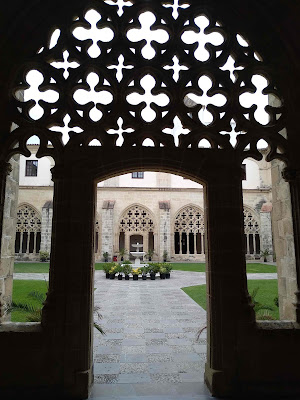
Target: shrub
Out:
[44,255]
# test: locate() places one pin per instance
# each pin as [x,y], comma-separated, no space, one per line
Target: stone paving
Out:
[150,345]
[150,349]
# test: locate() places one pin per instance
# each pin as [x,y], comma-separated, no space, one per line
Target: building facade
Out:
[164,212]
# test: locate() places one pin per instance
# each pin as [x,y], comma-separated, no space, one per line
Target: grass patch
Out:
[21,289]
[268,290]
[261,268]
[42,267]
[194,267]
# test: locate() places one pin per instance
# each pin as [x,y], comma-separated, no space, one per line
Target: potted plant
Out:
[105,256]
[144,271]
[150,254]
[112,272]
[119,271]
[153,270]
[106,269]
[122,253]
[169,268]
[165,255]
[44,255]
[162,272]
[265,254]
[127,268]
[135,273]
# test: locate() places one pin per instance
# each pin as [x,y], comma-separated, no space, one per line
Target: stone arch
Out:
[228,360]
[136,220]
[251,232]
[188,227]
[28,231]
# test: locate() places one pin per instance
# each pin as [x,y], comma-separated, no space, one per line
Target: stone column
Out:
[68,312]
[288,242]
[9,185]
[46,228]
[229,303]
[164,228]
[266,242]
[108,227]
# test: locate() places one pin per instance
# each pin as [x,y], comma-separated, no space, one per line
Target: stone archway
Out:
[67,315]
[136,221]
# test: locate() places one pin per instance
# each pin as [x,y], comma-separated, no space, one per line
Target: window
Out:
[31,168]
[137,175]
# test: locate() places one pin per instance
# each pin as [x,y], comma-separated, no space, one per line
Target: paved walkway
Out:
[150,350]
[150,345]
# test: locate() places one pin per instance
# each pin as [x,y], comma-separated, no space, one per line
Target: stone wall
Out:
[164,229]
[46,228]
[8,236]
[107,227]
[283,242]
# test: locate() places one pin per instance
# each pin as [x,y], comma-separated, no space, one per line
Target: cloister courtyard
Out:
[150,346]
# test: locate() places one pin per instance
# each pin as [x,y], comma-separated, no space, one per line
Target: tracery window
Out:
[251,232]
[28,230]
[171,68]
[189,231]
[136,219]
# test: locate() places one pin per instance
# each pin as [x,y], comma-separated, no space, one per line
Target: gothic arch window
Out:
[136,223]
[189,231]
[251,232]
[136,219]
[28,230]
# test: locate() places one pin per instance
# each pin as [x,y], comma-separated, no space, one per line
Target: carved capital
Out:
[57,173]
[290,174]
[5,168]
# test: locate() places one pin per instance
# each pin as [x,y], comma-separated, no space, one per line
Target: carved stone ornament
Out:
[136,219]
[126,72]
[190,220]
[28,220]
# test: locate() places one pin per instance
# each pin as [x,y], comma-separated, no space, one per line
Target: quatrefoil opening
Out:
[92,98]
[200,40]
[192,100]
[255,99]
[149,34]
[38,98]
[149,105]
[93,33]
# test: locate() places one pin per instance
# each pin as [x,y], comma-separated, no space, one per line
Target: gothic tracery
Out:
[98,71]
[136,219]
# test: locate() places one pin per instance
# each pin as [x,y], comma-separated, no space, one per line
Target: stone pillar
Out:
[108,227]
[68,312]
[46,228]
[164,228]
[229,306]
[9,185]
[266,242]
[287,235]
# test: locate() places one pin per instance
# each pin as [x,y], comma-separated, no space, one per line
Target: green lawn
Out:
[268,290]
[42,267]
[196,267]
[21,289]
